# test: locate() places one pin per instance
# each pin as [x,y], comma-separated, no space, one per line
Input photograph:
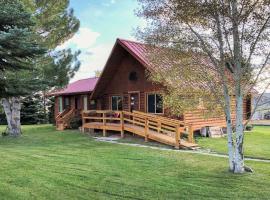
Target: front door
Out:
[134,101]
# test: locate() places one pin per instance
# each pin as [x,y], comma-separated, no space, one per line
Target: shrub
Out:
[75,123]
[249,127]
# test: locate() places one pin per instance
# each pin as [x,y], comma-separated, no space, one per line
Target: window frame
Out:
[111,100]
[85,103]
[147,109]
[60,104]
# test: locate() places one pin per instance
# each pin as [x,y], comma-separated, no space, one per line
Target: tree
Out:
[218,51]
[56,23]
[52,23]
[98,73]
[19,46]
[32,110]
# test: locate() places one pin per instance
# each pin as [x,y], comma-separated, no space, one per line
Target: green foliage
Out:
[50,104]
[19,45]
[249,127]
[25,28]
[56,23]
[54,20]
[32,110]
[75,122]
[3,120]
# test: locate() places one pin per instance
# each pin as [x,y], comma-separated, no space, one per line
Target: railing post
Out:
[190,134]
[159,126]
[177,137]
[83,121]
[104,123]
[146,129]
[122,124]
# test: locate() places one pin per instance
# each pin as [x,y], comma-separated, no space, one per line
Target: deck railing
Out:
[141,123]
[64,118]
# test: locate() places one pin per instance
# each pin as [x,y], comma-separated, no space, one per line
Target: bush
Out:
[249,127]
[75,123]
[5,133]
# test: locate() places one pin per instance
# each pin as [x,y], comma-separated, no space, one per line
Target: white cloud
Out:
[93,59]
[93,56]
[84,39]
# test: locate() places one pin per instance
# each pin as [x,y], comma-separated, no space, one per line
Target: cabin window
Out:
[154,103]
[66,105]
[116,103]
[133,76]
[77,102]
[85,103]
[60,104]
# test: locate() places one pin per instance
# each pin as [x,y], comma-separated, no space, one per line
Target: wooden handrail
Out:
[151,123]
[62,114]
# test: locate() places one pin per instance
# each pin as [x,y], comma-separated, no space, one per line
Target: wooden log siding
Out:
[199,120]
[161,129]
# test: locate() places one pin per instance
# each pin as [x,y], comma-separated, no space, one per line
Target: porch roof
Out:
[78,87]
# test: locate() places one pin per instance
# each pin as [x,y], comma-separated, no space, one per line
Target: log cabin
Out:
[124,85]
[124,88]
[72,100]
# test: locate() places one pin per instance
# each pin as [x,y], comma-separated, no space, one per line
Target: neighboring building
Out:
[70,101]
[263,107]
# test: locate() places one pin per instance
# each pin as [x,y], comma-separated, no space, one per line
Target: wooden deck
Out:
[160,129]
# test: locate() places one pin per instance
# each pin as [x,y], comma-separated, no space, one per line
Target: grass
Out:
[256,143]
[45,164]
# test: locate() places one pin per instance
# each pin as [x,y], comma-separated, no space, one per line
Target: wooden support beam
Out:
[122,124]
[159,126]
[177,137]
[146,129]
[190,134]
[104,124]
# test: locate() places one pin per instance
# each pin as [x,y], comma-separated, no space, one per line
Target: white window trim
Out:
[60,104]
[147,94]
[85,102]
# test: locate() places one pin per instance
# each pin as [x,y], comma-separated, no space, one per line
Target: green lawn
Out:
[45,164]
[256,143]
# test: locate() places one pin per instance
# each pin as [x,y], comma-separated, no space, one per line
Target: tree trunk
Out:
[229,129]
[239,155]
[12,108]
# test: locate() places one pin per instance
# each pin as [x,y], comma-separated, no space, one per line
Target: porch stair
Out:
[151,127]
[64,118]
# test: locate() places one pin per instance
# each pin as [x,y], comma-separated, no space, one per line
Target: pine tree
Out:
[53,23]
[18,48]
[32,110]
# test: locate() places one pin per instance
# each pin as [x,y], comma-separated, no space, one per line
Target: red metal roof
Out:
[139,50]
[80,86]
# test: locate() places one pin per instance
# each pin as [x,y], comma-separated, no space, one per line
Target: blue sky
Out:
[102,21]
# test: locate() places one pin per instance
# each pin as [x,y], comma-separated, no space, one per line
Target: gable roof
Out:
[137,50]
[77,87]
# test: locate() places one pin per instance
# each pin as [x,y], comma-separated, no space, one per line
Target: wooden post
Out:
[83,122]
[177,137]
[146,129]
[104,124]
[122,124]
[190,134]
[159,126]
